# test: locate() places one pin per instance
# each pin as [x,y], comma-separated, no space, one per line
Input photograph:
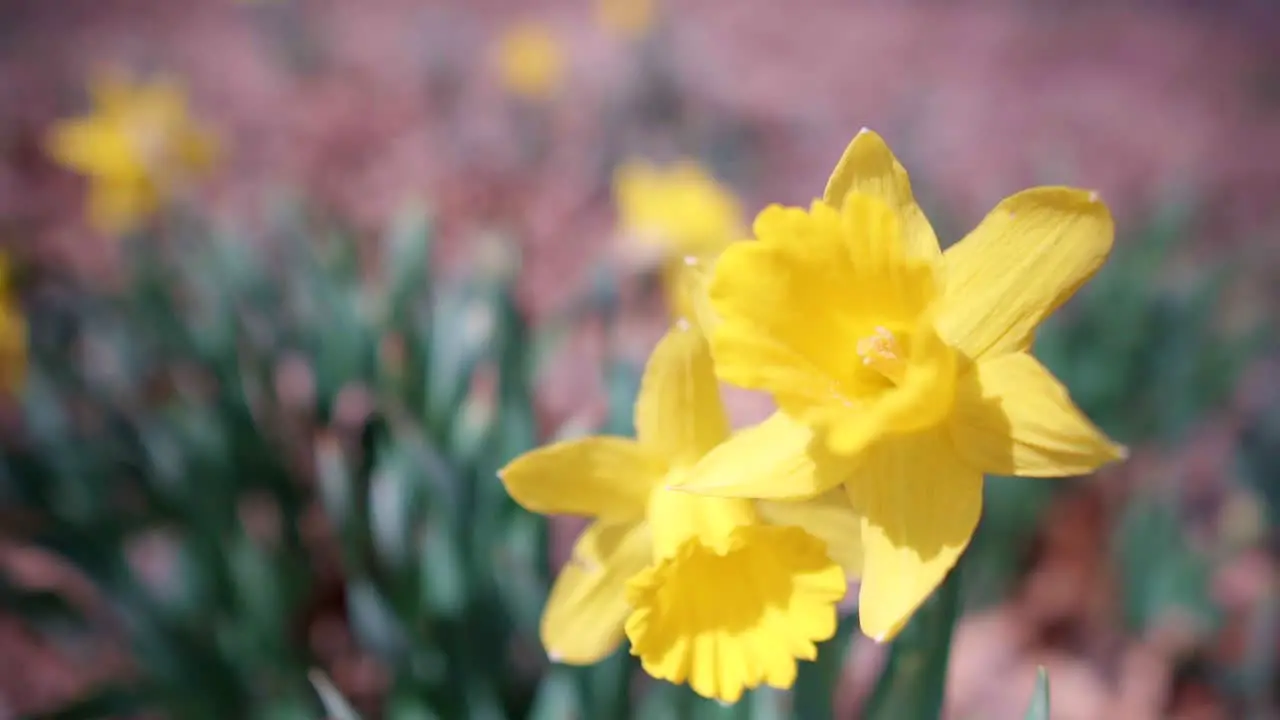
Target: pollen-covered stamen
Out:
[882,352]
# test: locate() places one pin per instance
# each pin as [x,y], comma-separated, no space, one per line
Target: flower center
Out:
[882,352]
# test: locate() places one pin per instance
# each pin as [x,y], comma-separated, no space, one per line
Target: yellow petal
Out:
[777,458]
[605,477]
[91,146]
[729,621]
[679,414]
[585,612]
[869,166]
[919,503]
[828,517]
[1020,264]
[1012,417]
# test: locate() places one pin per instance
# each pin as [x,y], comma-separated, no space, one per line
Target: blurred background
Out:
[257,380]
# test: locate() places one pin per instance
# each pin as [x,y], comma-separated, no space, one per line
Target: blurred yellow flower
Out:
[683,215]
[136,147]
[724,594]
[626,18]
[13,336]
[910,367]
[530,61]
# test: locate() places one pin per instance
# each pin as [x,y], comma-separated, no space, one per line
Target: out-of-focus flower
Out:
[137,147]
[13,336]
[905,369]
[724,594]
[629,19]
[681,215]
[530,61]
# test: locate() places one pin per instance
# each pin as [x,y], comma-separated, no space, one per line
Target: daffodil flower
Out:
[721,593]
[136,147]
[681,216]
[903,372]
[530,61]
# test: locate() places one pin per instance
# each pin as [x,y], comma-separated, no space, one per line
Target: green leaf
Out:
[664,701]
[339,496]
[766,703]
[443,580]
[1039,708]
[622,385]
[913,683]
[405,707]
[606,686]
[1163,577]
[257,582]
[394,505]
[406,272]
[522,580]
[557,697]
[463,327]
[373,621]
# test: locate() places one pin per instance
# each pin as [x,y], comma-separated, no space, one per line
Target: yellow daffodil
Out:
[902,370]
[530,61]
[13,336]
[629,19]
[724,594]
[681,215]
[136,147]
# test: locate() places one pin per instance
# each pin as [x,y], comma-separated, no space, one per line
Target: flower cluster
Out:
[902,374]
